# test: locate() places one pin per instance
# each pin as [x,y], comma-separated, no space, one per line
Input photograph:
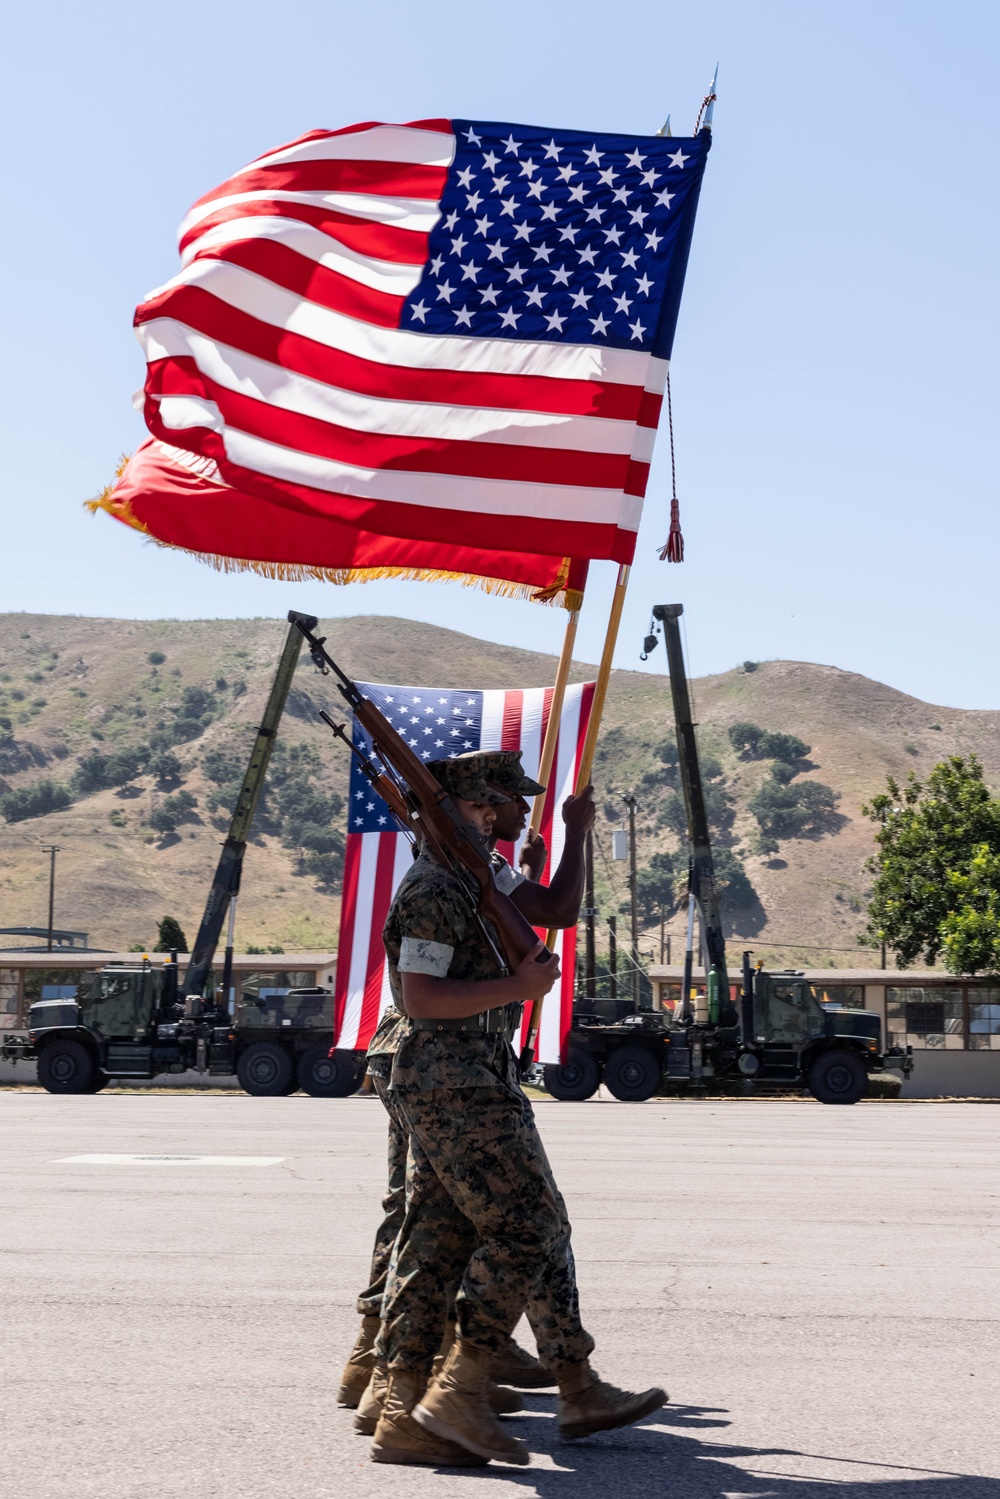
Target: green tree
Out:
[934,866]
[170,936]
[656,884]
[970,933]
[34,801]
[166,767]
[745,739]
[161,821]
[800,811]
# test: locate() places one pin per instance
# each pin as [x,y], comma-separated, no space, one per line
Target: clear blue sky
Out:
[835,368]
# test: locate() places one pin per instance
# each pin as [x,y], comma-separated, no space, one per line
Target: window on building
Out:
[8,996]
[845,996]
[928,1019]
[984,1019]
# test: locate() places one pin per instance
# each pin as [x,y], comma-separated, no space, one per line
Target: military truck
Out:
[142,1021]
[770,1031]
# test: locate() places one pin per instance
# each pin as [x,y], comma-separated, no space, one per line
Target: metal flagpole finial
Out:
[666,130]
[704,120]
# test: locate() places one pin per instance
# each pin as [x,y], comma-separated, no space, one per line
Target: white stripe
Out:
[417,214]
[312,244]
[558,502]
[180,412]
[268,303]
[643,444]
[432,148]
[530,745]
[363,937]
[550,1033]
[263,381]
[402,859]
[656,380]
[491,730]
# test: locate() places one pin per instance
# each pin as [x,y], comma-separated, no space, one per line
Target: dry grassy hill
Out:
[71,688]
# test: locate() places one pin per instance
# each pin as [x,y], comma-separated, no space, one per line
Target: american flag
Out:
[439,722]
[444,331]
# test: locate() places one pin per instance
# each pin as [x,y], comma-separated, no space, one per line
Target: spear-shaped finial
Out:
[665,129]
[709,104]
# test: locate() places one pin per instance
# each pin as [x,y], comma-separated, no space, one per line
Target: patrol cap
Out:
[503,768]
[463,776]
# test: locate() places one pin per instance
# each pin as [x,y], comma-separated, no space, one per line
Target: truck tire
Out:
[632,1074]
[324,1076]
[68,1067]
[838,1076]
[576,1080]
[266,1070]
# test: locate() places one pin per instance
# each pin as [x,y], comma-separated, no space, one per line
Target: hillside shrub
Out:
[793,811]
[34,801]
[752,742]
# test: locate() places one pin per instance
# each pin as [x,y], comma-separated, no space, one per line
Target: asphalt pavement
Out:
[818,1288]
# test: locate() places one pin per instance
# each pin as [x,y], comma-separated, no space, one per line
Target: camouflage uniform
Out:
[482,1207]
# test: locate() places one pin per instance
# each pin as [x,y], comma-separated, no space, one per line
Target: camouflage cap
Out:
[503,768]
[463,776]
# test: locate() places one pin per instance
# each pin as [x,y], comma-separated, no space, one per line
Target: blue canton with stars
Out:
[561,237]
[437,723]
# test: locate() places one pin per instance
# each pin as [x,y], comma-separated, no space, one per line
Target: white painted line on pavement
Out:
[169,1160]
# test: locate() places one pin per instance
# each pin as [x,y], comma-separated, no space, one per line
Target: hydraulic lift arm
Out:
[703,882]
[226,884]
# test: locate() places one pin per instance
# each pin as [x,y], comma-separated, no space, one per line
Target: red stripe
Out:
[199,309]
[381,898]
[348,917]
[385,241]
[441,125]
[284,266]
[649,409]
[416,455]
[510,738]
[402,179]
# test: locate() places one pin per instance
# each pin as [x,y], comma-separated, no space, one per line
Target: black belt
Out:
[503,1021]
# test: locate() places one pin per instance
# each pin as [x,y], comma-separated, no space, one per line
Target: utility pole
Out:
[51,849]
[631,801]
[590,972]
[613,956]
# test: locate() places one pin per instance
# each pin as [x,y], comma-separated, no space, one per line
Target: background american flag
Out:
[447,331]
[439,722]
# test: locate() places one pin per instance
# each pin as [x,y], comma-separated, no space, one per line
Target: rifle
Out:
[421,804]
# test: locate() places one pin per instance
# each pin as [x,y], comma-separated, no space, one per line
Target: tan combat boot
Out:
[371,1403]
[358,1369]
[515,1366]
[456,1408]
[398,1438]
[502,1402]
[588,1403]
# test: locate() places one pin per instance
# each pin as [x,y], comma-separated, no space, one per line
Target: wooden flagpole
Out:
[555,714]
[586,758]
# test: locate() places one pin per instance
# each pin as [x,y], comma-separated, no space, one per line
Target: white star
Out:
[644,285]
[484,225]
[542,252]
[560,276]
[600,324]
[458,244]
[428,731]
[638,216]
[439,744]
[663,199]
[508,206]
[369,806]
[650,177]
[359,796]
[489,294]
[390,699]
[472,137]
[444,291]
[631,259]
[588,254]
[413,742]
[359,822]
[536,188]
[428,710]
[612,236]
[653,240]
[452,219]
[534,297]
[570,232]
[381,821]
[593,156]
[509,318]
[463,315]
[581,298]
[499,183]
[566,172]
[607,176]
[420,310]
[596,213]
[606,278]
[490,161]
[637,329]
[623,303]
[577,193]
[465,177]
[678,159]
[466,743]
[552,150]
[516,273]
[555,322]
[549,211]
[634,159]
[472,201]
[622,195]
[436,265]
[511,144]
[470,270]
[522,231]
[527,167]
[496,250]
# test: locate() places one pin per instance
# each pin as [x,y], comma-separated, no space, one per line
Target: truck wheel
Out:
[838,1076]
[67,1067]
[632,1073]
[324,1076]
[577,1079]
[265,1070]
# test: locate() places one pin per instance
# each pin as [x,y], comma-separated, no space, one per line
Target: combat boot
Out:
[358,1369]
[503,1402]
[371,1403]
[588,1403]
[456,1408]
[398,1438]
[515,1366]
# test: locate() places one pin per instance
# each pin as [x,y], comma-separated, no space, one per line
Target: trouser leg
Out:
[393,1204]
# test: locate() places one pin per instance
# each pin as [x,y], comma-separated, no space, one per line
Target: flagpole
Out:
[586,762]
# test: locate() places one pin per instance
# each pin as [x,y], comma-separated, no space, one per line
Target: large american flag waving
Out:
[448,331]
[438,722]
